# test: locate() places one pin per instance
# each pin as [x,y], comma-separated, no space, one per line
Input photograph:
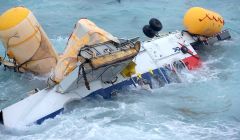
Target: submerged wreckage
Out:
[95,62]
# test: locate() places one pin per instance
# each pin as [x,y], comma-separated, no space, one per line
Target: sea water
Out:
[204,106]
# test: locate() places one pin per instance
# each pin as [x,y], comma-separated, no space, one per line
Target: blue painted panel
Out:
[52,115]
[161,74]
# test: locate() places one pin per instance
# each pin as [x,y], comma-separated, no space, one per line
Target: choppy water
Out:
[205,106]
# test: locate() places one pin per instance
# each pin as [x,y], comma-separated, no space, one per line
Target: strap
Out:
[81,67]
[36,30]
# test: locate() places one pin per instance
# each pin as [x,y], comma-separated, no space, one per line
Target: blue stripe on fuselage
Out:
[52,115]
[107,92]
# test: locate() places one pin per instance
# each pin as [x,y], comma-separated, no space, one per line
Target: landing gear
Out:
[153,28]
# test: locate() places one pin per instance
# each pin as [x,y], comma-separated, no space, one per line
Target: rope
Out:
[218,19]
[81,67]
[85,78]
[30,59]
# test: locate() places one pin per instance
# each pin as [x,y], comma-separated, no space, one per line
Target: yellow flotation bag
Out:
[85,33]
[25,42]
[204,22]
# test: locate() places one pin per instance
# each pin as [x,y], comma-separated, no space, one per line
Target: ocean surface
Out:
[205,106]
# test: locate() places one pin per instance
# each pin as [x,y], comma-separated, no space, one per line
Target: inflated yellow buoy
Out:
[25,41]
[204,22]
